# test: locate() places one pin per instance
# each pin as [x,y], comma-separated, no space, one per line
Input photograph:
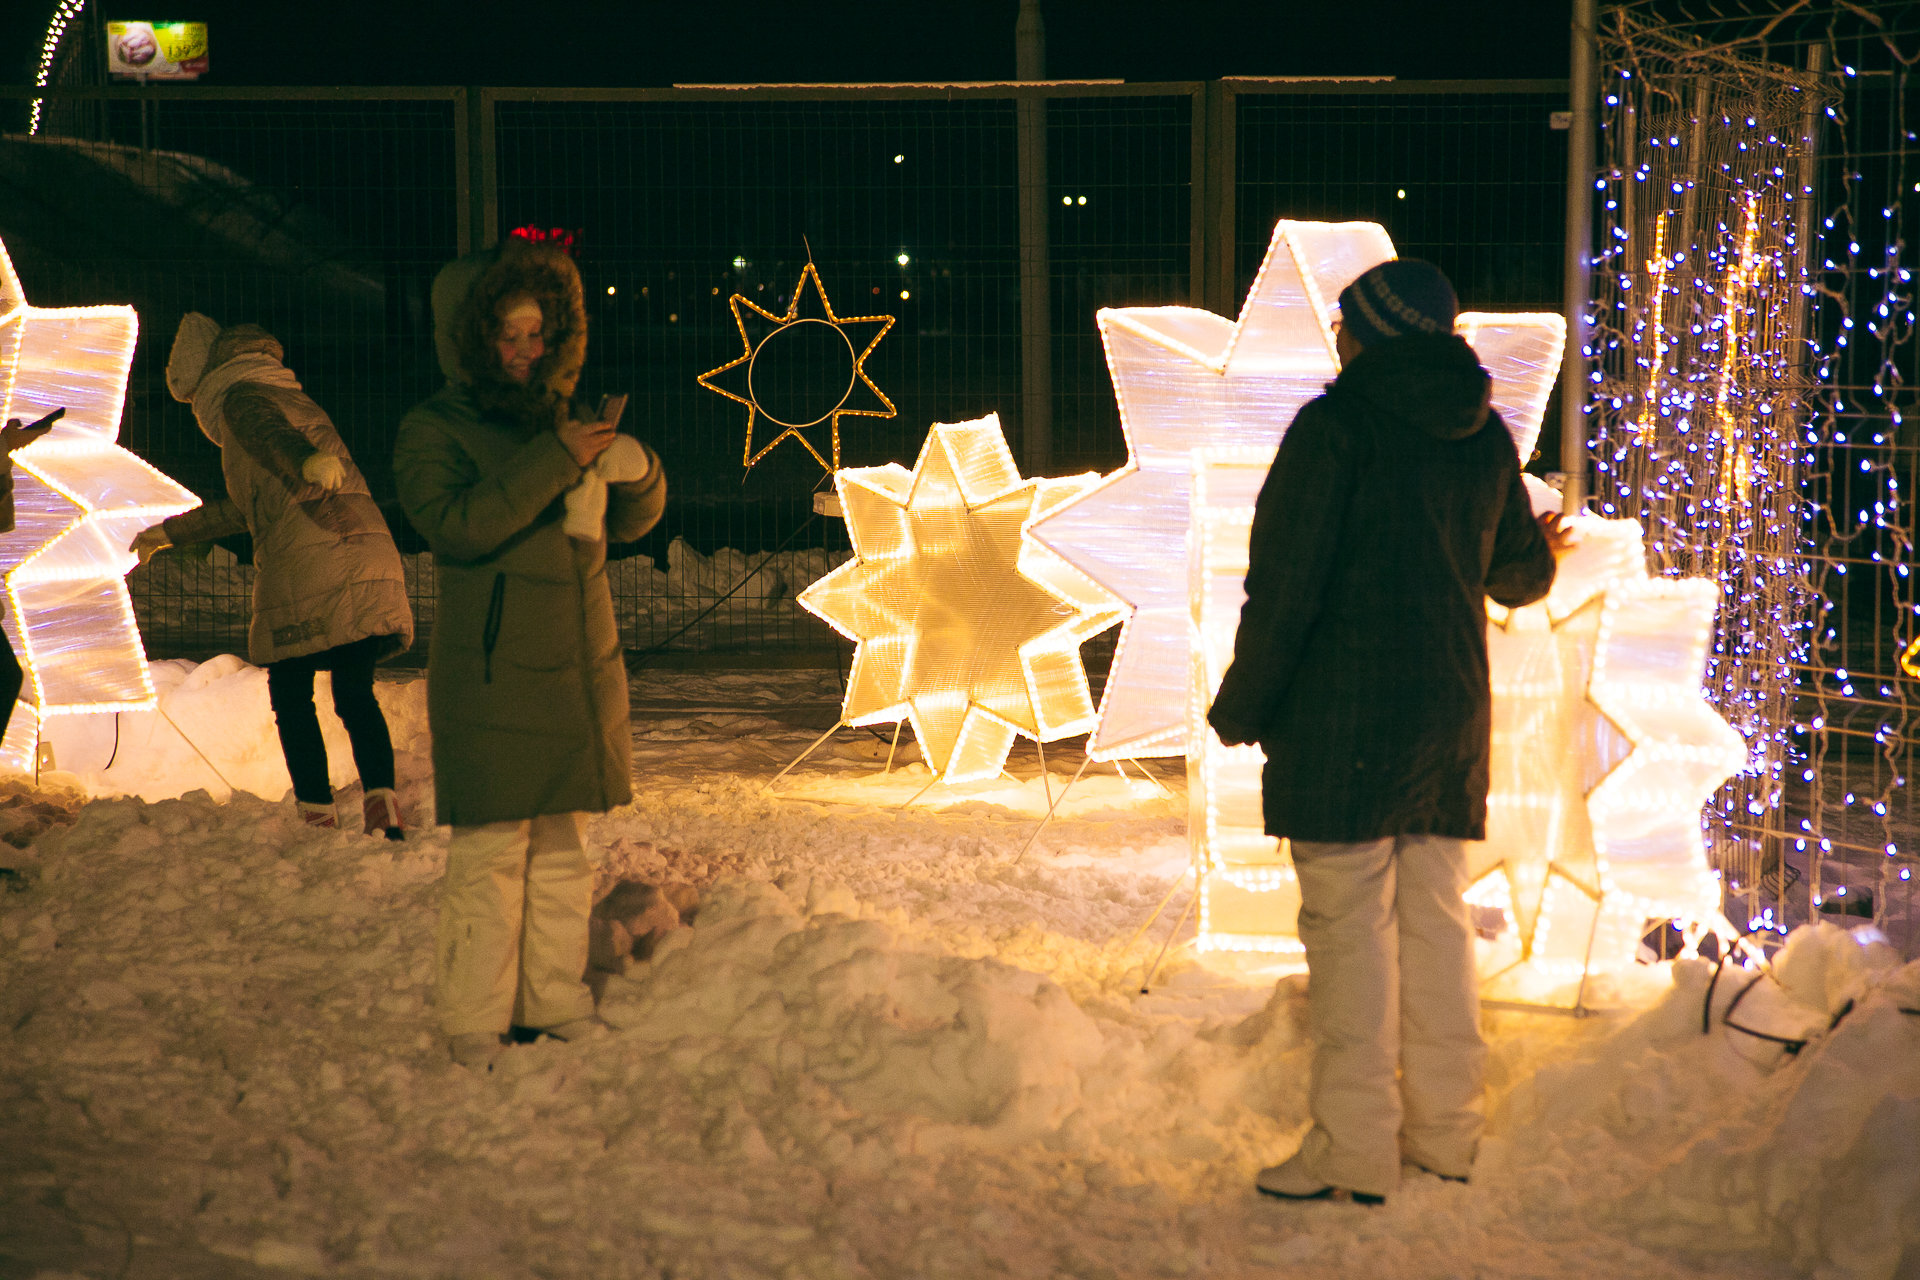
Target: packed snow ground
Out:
[885,1048]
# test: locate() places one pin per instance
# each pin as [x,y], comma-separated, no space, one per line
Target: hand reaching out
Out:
[148,541]
[1559,531]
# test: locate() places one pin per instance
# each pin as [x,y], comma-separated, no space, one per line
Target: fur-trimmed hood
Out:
[467,293]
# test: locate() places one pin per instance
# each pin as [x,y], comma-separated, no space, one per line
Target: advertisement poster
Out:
[157,50]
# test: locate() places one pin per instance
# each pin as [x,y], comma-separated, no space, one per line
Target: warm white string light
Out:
[50,50]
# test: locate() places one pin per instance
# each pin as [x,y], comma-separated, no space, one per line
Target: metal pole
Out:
[1573,374]
[1036,316]
[1223,147]
[1806,171]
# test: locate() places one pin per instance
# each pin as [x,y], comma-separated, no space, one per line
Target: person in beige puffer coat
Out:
[328,591]
[517,491]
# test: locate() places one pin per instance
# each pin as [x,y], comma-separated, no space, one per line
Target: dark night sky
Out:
[597,42]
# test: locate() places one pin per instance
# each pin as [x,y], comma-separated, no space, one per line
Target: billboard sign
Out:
[157,50]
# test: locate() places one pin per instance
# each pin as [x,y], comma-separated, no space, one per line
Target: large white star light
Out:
[1188,379]
[965,626]
[1605,751]
[78,500]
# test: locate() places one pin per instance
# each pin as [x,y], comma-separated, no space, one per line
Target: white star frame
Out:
[78,498]
[964,624]
[1187,379]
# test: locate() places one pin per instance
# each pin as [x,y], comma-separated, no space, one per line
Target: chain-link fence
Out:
[990,221]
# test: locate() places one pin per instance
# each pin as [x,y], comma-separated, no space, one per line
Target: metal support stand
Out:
[837,726]
[1146,983]
[1052,805]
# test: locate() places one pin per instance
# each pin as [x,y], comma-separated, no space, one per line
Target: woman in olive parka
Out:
[527,688]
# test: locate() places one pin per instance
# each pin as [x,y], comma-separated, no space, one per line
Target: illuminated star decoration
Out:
[78,500]
[1187,379]
[758,329]
[1605,751]
[964,625]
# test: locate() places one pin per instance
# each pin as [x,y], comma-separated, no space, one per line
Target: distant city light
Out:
[899,159]
[903,259]
[1081,200]
[739,264]
[610,291]
[905,294]
[673,318]
[1066,199]
[1401,194]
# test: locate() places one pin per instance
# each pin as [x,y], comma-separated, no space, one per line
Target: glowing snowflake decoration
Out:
[1605,751]
[1190,380]
[78,500]
[965,626]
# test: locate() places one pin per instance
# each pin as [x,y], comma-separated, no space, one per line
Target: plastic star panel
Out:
[965,625]
[1187,379]
[1605,751]
[78,498]
[760,327]
[1249,894]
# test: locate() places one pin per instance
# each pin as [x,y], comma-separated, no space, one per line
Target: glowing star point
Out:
[964,625]
[1189,380]
[761,332]
[78,499]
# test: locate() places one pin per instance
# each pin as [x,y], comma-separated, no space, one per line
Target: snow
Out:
[890,1045]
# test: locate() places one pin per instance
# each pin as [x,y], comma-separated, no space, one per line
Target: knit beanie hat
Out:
[1396,299]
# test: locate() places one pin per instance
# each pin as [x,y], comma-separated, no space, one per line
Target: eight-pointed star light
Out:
[1187,379]
[965,626]
[1605,750]
[78,499]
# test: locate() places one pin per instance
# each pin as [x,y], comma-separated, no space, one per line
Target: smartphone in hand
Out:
[612,408]
[16,437]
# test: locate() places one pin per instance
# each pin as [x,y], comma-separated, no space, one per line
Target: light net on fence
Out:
[1753,407]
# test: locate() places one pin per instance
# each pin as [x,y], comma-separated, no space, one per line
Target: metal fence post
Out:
[462,172]
[1573,379]
[1222,169]
[1197,173]
[480,212]
[1036,314]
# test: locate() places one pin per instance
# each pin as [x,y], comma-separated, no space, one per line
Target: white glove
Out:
[324,470]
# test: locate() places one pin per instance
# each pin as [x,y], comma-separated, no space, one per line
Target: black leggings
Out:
[11,678]
[290,689]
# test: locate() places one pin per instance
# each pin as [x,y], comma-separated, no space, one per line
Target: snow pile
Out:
[882,1049]
[1729,1140]
[214,731]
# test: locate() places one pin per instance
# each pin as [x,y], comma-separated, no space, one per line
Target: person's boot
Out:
[317,815]
[476,1050]
[382,808]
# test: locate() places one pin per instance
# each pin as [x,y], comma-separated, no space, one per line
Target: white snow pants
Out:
[1391,985]
[513,926]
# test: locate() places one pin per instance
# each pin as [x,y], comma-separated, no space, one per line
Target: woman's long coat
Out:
[326,572]
[527,688]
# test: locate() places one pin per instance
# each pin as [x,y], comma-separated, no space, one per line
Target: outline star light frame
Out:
[1187,380]
[78,499]
[965,626]
[750,350]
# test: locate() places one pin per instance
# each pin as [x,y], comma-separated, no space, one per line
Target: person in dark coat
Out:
[15,435]
[1393,509]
